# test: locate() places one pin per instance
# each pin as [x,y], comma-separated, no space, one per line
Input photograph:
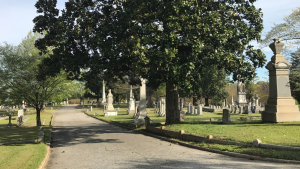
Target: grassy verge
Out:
[25,156]
[279,154]
[28,130]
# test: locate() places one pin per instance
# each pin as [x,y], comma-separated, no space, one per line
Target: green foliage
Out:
[295,75]
[163,41]
[18,71]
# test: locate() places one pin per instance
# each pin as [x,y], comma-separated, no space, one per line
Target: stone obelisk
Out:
[142,112]
[103,93]
[280,106]
[131,106]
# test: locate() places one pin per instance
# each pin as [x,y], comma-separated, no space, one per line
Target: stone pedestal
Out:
[241,94]
[110,111]
[142,113]
[280,106]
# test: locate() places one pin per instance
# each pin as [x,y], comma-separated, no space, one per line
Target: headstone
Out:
[223,103]
[20,112]
[147,122]
[110,108]
[118,109]
[91,108]
[142,113]
[9,125]
[103,93]
[192,109]
[235,107]
[188,109]
[226,117]
[199,109]
[247,109]
[232,102]
[104,111]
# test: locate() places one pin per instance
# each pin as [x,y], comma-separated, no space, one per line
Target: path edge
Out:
[47,156]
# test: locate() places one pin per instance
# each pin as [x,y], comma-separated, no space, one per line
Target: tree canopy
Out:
[18,74]
[161,40]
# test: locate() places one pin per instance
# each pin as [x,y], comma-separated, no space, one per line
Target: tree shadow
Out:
[204,162]
[72,135]
[17,133]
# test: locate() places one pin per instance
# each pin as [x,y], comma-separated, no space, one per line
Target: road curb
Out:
[233,154]
[47,156]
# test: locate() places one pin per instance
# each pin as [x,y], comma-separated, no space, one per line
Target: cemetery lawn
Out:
[25,156]
[27,131]
[239,130]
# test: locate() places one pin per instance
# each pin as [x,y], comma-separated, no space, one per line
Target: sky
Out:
[16,20]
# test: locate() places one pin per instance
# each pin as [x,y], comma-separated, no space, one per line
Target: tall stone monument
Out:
[241,94]
[280,106]
[103,93]
[110,111]
[131,105]
[142,112]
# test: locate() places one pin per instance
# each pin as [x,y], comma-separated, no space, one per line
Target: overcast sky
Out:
[17,15]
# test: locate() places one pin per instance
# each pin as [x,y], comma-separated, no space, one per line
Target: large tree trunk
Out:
[195,100]
[98,98]
[38,115]
[172,111]
[206,102]
[149,97]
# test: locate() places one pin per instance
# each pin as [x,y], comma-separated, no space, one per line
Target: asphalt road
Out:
[84,142]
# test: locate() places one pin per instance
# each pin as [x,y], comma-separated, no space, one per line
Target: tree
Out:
[288,31]
[262,89]
[18,70]
[295,75]
[210,83]
[162,41]
[94,82]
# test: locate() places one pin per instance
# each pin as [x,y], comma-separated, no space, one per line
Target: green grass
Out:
[28,130]
[25,156]
[243,131]
[269,153]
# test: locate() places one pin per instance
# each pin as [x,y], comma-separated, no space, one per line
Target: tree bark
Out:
[172,111]
[149,97]
[38,115]
[206,102]
[195,100]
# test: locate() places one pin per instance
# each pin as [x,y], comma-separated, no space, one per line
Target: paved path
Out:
[84,142]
